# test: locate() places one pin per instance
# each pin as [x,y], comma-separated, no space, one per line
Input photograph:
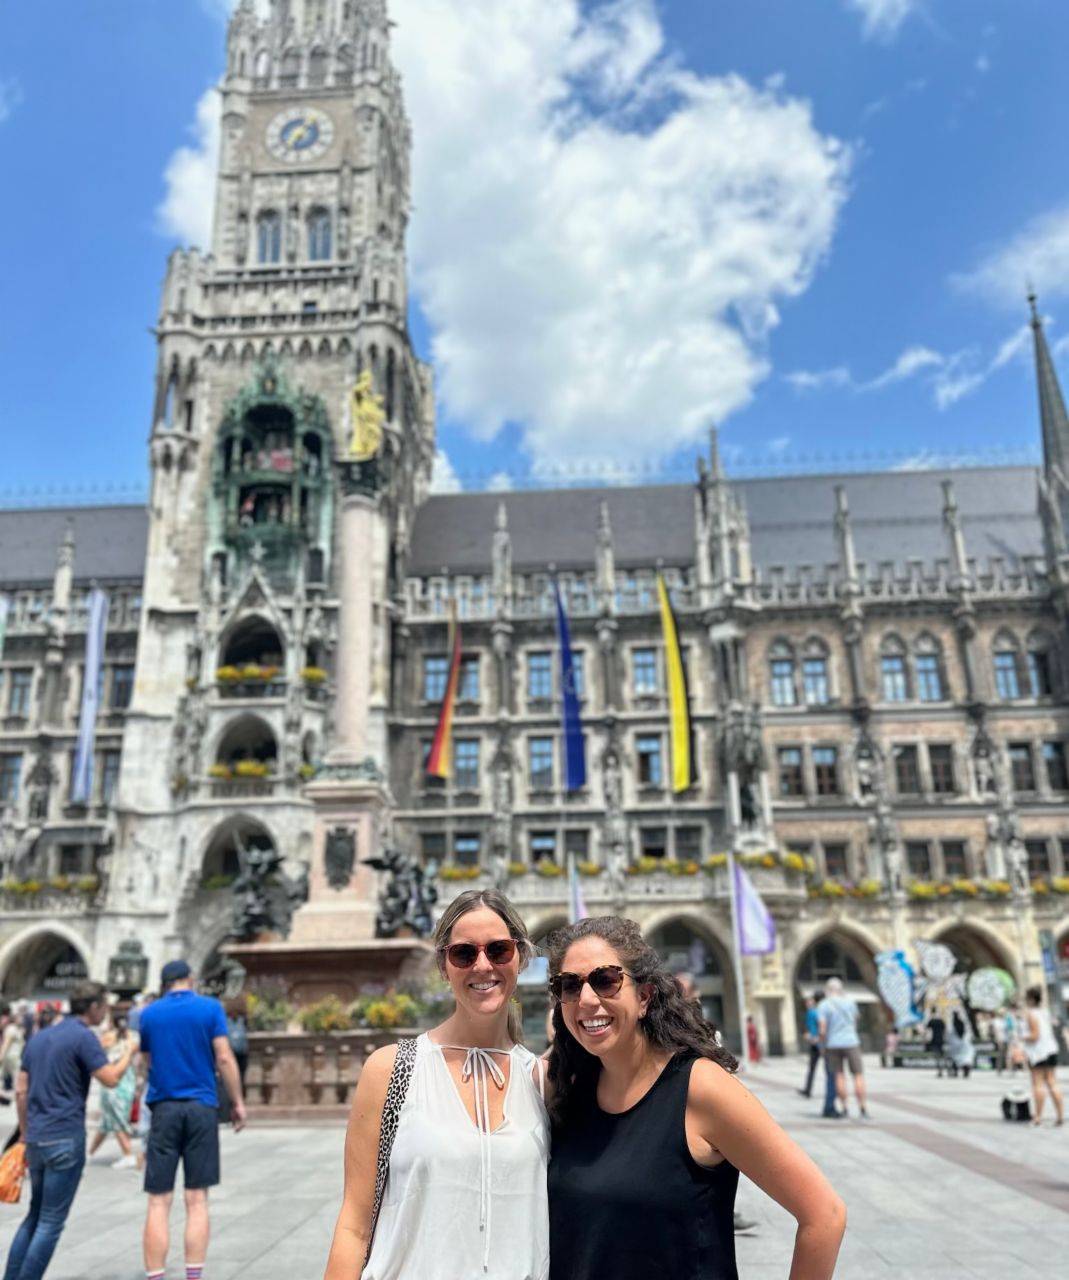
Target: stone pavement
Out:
[937,1186]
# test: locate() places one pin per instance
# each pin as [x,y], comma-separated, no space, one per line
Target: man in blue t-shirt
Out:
[184,1041]
[50,1092]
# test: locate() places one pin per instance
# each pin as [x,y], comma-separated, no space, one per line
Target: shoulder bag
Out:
[396,1092]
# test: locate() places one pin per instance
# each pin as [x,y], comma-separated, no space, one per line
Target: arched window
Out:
[391,379]
[816,683]
[317,68]
[343,72]
[1040,664]
[263,69]
[269,237]
[781,675]
[928,669]
[893,671]
[1007,663]
[291,69]
[319,236]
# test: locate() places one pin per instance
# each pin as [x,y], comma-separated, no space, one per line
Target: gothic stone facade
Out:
[877,663]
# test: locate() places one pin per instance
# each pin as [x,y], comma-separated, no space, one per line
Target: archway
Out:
[42,965]
[838,953]
[684,946]
[253,642]
[248,738]
[976,948]
[221,863]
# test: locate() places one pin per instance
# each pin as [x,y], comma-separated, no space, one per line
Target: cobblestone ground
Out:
[937,1186]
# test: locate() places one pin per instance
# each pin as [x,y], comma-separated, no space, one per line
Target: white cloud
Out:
[10,98]
[600,239]
[187,209]
[500,482]
[1037,255]
[912,361]
[883,17]
[803,380]
[444,478]
[950,377]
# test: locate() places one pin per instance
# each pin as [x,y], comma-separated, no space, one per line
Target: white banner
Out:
[5,609]
[82,782]
[757,929]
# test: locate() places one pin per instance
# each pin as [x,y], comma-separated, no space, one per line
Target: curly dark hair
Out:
[672,1021]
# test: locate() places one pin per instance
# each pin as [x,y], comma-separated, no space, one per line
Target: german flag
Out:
[440,760]
[684,774]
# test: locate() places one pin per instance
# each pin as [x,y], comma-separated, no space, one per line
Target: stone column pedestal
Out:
[350,805]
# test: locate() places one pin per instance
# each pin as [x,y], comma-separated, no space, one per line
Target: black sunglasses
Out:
[605,981]
[462,955]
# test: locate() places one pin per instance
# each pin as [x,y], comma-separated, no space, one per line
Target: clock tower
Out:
[275,559]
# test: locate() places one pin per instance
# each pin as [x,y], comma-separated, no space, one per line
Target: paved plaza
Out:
[937,1186]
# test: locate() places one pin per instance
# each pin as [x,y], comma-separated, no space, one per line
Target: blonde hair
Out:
[495,901]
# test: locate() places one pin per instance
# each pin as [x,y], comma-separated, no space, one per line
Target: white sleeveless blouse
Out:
[461,1203]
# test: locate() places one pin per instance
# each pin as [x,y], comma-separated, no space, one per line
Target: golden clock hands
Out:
[301,132]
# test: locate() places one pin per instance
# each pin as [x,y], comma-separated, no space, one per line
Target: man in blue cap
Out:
[184,1042]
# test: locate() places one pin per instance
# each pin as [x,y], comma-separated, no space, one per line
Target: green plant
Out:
[1060,884]
[227,675]
[87,884]
[589,868]
[967,888]
[549,869]
[251,769]
[767,859]
[268,1010]
[459,873]
[870,889]
[212,883]
[924,889]
[313,675]
[219,771]
[832,889]
[61,884]
[997,888]
[518,868]
[306,771]
[328,1014]
[715,861]
[796,862]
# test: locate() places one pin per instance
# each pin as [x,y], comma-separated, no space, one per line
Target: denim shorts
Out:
[186,1131]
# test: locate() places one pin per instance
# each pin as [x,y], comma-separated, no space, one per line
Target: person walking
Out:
[960,1046]
[116,1105]
[753,1044]
[837,1016]
[466,1186]
[184,1041]
[812,1039]
[1041,1048]
[50,1092]
[12,1043]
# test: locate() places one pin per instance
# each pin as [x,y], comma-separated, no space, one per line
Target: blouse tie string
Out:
[480,1067]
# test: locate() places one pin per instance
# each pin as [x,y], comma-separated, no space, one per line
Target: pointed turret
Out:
[1052,413]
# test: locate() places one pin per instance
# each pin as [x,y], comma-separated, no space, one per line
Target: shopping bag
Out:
[12,1172]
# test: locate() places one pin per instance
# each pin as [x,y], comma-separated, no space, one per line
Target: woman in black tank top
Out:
[651,1129]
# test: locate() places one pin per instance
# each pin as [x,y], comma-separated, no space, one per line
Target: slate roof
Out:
[109,543]
[897,516]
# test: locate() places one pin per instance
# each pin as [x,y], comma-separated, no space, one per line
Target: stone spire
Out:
[502,562]
[1052,412]
[605,560]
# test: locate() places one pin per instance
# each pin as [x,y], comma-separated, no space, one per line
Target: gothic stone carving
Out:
[339,857]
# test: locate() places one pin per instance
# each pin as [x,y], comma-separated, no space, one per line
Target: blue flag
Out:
[574,747]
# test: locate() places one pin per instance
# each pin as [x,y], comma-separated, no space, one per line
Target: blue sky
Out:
[838,205]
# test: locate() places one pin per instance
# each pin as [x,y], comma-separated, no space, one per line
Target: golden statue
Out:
[368,417]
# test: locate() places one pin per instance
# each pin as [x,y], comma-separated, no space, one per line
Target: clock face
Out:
[301,133]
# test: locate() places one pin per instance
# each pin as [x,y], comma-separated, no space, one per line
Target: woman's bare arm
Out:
[353,1228]
[733,1123]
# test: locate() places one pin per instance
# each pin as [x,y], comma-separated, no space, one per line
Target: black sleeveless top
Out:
[628,1201]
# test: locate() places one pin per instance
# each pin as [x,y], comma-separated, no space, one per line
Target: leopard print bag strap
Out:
[396,1092]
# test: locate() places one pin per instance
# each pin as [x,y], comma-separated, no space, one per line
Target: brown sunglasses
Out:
[462,955]
[605,982]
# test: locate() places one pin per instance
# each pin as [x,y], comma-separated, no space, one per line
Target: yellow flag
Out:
[678,697]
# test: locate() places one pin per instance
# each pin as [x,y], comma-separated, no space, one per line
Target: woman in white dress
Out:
[465,1195]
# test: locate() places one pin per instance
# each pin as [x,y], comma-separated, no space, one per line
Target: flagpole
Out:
[736,956]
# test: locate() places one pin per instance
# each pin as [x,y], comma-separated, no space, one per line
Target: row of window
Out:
[905,678]
[541,761]
[319,236]
[118,684]
[919,677]
[684,843]
[910,763]
[106,774]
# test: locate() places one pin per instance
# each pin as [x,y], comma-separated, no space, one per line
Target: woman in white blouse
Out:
[466,1190]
